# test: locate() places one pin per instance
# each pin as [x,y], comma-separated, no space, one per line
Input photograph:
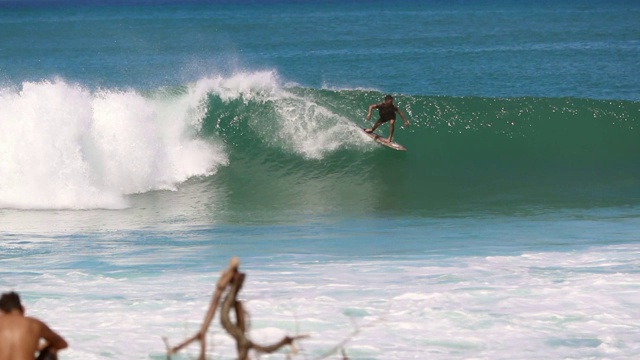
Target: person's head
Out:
[388,99]
[10,301]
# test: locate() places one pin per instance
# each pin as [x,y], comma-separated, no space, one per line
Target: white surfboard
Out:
[383,141]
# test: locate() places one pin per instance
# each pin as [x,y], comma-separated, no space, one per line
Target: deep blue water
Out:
[489,48]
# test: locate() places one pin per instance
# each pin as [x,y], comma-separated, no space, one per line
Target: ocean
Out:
[143,144]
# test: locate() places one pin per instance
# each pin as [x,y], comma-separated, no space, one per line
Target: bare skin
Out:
[392,122]
[20,336]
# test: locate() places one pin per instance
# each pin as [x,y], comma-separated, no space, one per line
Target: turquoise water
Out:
[142,144]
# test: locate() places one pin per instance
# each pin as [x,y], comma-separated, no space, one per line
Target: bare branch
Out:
[231,281]
[344,354]
[356,330]
[287,340]
[200,336]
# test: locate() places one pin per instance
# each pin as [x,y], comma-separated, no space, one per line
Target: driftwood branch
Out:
[200,336]
[230,281]
[237,329]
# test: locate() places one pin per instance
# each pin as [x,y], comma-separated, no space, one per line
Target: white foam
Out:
[65,147]
[312,130]
[546,306]
[258,86]
[301,124]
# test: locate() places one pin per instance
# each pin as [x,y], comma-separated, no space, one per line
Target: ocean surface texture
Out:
[145,143]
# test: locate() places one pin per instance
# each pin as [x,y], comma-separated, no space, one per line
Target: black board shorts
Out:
[385,120]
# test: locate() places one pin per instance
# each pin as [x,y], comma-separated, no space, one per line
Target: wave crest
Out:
[63,146]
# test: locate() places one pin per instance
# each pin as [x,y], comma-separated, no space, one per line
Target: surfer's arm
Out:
[371,107]
[406,122]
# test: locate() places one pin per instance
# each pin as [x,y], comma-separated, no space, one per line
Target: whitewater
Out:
[144,144]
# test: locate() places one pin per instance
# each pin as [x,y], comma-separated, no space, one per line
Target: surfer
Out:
[20,335]
[387,111]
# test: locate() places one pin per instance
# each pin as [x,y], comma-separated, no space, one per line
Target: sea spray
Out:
[256,107]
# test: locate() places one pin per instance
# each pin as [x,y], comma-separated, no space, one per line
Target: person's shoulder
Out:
[31,318]
[21,322]
[35,322]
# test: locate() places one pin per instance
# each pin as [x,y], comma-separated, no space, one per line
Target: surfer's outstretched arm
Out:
[406,122]
[371,107]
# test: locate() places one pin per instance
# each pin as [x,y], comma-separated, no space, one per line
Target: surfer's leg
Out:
[375,126]
[392,124]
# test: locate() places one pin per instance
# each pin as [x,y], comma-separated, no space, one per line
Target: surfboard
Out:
[383,141]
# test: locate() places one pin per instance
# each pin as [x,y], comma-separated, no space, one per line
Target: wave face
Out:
[295,147]
[266,146]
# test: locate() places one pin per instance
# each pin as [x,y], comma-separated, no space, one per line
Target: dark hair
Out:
[388,97]
[10,301]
